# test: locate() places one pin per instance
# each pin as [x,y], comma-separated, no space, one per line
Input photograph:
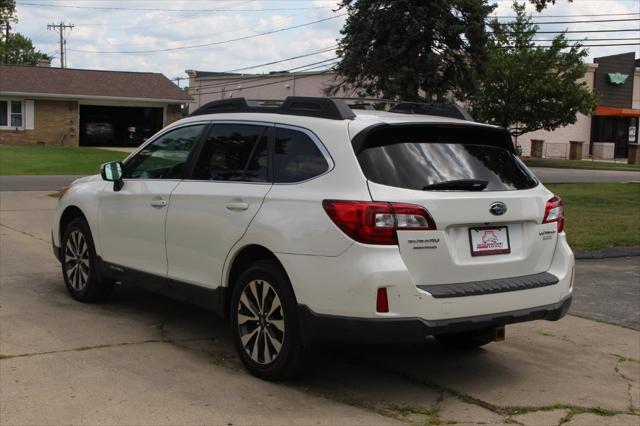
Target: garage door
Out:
[117,126]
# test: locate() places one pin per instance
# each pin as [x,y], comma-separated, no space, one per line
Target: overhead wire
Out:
[155,9]
[169,49]
[237,78]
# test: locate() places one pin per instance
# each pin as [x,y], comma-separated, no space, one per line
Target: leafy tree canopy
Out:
[401,48]
[18,49]
[414,49]
[525,87]
[7,12]
[21,51]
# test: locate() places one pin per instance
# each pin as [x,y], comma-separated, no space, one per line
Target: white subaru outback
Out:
[308,221]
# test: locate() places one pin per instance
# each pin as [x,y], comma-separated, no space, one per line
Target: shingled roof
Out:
[68,82]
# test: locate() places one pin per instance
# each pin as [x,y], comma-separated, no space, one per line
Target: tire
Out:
[467,340]
[80,268]
[267,337]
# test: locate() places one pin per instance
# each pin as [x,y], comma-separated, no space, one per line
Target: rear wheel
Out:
[265,323]
[79,264]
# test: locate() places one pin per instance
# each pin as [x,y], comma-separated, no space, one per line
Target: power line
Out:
[595,39]
[580,22]
[248,79]
[577,31]
[270,83]
[153,9]
[600,45]
[570,16]
[306,24]
[329,49]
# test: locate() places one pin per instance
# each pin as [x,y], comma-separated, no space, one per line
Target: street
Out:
[144,359]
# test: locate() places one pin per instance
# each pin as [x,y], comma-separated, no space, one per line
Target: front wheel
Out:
[79,264]
[264,322]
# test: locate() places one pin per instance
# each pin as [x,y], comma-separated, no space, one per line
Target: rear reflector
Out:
[554,212]
[377,222]
[382,301]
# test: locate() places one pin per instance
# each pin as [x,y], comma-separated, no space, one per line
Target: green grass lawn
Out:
[580,164]
[54,160]
[600,215]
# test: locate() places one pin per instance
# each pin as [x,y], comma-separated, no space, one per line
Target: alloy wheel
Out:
[261,321]
[76,260]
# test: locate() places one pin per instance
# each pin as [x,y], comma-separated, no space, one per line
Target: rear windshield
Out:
[417,165]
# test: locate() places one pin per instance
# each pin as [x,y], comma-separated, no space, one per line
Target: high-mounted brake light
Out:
[554,212]
[377,222]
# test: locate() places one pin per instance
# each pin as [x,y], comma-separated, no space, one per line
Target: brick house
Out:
[40,105]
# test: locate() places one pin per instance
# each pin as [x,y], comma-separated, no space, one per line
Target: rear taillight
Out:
[377,222]
[554,212]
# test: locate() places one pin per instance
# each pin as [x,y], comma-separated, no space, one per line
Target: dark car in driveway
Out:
[99,130]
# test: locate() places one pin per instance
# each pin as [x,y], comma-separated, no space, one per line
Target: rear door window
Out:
[296,157]
[441,161]
[234,152]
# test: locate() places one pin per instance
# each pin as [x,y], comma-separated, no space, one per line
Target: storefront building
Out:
[607,133]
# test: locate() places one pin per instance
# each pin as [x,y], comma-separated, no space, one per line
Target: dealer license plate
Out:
[488,241]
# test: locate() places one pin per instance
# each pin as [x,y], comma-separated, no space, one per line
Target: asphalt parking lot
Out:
[144,359]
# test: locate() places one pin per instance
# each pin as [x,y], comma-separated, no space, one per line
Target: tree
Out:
[7,13]
[405,48]
[15,48]
[527,87]
[414,49]
[21,51]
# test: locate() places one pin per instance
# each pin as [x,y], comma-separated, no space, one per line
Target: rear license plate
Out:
[488,241]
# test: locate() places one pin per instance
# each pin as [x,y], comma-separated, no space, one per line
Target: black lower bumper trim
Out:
[326,328]
[502,285]
[56,249]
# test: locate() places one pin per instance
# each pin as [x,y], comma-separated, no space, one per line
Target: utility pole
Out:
[177,80]
[60,28]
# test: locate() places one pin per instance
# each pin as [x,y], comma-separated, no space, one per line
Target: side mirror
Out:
[112,172]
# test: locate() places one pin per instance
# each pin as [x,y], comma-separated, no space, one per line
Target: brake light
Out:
[554,212]
[377,222]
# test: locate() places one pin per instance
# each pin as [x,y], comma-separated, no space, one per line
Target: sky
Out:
[232,32]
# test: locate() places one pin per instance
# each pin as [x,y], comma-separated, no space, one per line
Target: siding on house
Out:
[55,124]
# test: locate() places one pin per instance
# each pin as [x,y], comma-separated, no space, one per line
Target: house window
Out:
[11,114]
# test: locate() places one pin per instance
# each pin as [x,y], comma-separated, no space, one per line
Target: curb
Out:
[608,253]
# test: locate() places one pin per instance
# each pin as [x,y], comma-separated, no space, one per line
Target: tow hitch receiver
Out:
[499,333]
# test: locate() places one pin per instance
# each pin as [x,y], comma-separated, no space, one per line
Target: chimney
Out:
[43,63]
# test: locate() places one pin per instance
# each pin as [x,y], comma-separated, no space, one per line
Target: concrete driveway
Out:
[144,359]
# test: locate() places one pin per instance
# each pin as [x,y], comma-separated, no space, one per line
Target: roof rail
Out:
[440,109]
[334,109]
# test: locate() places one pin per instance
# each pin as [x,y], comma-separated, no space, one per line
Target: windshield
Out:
[427,166]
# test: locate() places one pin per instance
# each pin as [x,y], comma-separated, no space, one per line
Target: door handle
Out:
[159,203]
[237,206]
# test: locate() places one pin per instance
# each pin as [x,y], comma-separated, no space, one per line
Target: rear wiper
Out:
[458,185]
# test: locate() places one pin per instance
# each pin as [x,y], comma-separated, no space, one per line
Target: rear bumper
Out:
[346,286]
[325,328]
